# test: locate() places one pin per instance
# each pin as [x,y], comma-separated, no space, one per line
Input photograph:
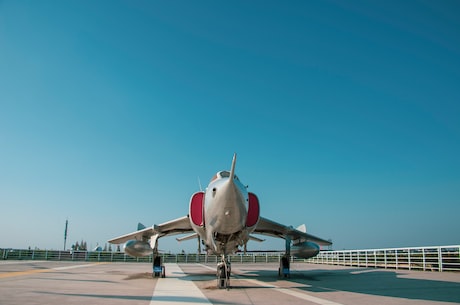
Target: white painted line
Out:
[364,271]
[207,267]
[297,294]
[175,290]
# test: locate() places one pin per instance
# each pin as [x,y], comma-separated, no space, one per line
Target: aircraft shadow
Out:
[72,280]
[377,282]
[102,296]
[172,299]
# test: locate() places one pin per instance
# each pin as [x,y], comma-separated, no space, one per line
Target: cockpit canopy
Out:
[223,174]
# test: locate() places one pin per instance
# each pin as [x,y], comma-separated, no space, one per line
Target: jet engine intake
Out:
[253,210]
[137,248]
[305,250]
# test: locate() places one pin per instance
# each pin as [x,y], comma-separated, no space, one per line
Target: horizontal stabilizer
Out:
[140,226]
[251,237]
[302,228]
[187,237]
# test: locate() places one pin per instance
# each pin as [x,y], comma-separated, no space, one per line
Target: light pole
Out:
[65,232]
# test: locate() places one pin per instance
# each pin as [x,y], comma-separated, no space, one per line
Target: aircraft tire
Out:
[222,279]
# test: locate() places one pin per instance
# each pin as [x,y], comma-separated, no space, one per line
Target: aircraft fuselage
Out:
[225,205]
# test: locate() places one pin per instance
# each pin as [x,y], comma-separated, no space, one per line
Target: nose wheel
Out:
[224,270]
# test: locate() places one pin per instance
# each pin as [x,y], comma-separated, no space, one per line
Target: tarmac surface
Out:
[53,283]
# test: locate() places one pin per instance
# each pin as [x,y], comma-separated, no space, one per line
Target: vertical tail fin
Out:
[232,171]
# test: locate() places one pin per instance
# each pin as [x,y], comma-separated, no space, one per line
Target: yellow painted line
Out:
[77,266]
[33,271]
[20,273]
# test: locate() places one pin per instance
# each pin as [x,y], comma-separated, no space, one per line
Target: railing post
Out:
[408,259]
[385,257]
[424,259]
[439,259]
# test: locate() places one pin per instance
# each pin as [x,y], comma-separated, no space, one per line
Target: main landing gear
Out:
[158,268]
[284,269]
[285,262]
[224,270]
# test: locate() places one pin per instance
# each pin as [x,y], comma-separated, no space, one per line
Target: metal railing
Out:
[444,258]
[101,256]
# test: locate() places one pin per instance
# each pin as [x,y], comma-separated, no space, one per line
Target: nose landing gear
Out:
[224,270]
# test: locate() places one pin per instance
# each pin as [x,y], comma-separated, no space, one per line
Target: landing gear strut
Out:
[284,269]
[224,270]
[158,268]
[285,262]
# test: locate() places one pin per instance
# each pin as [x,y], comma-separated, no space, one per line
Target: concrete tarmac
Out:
[53,283]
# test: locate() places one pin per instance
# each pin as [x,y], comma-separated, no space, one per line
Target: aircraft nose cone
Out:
[231,201]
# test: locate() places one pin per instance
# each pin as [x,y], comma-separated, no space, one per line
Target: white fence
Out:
[445,258]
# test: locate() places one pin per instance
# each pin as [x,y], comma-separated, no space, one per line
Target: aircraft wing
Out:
[176,226]
[271,228]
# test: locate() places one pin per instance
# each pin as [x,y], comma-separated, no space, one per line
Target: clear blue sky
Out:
[345,116]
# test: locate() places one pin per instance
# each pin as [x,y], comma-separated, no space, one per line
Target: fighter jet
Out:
[223,219]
